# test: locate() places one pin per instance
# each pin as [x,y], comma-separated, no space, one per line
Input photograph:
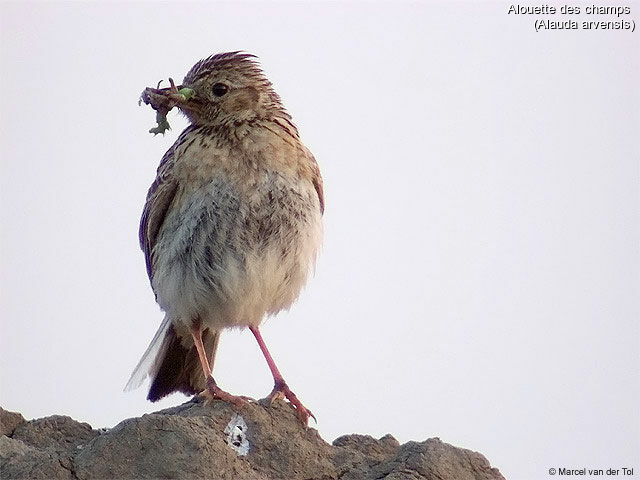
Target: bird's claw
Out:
[281,391]
[214,392]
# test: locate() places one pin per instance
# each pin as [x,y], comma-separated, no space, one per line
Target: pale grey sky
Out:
[480,276]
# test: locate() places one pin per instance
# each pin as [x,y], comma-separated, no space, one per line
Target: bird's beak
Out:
[181,94]
[167,98]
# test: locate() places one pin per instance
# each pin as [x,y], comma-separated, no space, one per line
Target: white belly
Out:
[229,259]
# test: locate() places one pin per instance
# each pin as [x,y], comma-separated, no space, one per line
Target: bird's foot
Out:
[214,392]
[281,391]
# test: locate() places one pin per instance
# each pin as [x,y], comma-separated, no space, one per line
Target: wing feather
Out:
[316,179]
[159,199]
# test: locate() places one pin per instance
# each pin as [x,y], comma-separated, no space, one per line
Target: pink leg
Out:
[281,388]
[213,391]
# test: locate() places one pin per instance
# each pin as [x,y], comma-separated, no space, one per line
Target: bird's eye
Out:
[219,89]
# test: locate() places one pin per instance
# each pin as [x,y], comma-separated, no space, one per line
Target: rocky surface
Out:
[216,441]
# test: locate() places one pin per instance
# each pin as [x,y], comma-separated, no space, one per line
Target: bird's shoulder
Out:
[280,149]
[160,197]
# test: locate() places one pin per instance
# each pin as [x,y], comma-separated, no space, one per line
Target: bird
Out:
[231,227]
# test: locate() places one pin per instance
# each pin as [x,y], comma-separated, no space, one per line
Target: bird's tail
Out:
[172,365]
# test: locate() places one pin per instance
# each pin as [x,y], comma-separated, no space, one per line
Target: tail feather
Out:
[148,364]
[175,370]
[172,366]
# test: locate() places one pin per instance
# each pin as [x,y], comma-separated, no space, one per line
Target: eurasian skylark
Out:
[231,227]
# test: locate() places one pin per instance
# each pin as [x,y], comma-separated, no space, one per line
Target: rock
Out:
[9,421]
[58,433]
[218,441]
[19,460]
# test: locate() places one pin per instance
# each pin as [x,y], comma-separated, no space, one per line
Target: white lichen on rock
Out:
[236,432]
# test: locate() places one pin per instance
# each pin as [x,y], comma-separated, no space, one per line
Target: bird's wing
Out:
[161,194]
[316,179]
[287,125]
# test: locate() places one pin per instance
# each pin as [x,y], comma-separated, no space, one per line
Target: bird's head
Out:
[228,88]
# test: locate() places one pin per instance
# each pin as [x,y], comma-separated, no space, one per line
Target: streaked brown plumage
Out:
[231,226]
